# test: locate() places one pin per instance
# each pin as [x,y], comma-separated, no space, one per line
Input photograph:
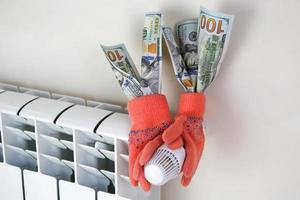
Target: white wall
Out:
[253,135]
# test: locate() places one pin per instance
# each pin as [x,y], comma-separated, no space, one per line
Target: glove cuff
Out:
[191,104]
[148,111]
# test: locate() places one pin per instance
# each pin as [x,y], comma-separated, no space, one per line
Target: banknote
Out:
[213,36]
[129,85]
[186,32]
[178,63]
[118,55]
[151,59]
[124,69]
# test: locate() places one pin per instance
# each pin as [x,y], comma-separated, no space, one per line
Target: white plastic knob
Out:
[165,165]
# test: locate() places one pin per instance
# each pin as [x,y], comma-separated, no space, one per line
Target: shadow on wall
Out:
[225,113]
[242,23]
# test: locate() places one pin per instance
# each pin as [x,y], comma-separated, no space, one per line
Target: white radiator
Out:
[56,147]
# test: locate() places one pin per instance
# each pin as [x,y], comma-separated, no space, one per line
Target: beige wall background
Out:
[252,120]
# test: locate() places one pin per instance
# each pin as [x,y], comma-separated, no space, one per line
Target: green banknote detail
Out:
[178,63]
[186,32]
[213,36]
[124,70]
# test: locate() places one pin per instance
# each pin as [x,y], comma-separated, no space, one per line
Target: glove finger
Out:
[146,186]
[176,144]
[200,147]
[137,168]
[131,164]
[174,131]
[185,181]
[149,150]
[133,182]
[191,156]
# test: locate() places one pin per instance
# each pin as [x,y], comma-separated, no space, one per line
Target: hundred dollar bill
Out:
[124,69]
[186,33]
[129,85]
[119,56]
[178,64]
[152,52]
[213,36]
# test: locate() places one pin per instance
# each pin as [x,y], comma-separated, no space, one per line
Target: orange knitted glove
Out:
[188,126]
[149,116]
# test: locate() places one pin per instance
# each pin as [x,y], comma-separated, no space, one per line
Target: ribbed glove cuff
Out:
[191,104]
[148,111]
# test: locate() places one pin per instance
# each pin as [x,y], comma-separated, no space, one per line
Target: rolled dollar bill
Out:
[129,85]
[124,69]
[178,64]
[213,36]
[152,52]
[118,56]
[186,32]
